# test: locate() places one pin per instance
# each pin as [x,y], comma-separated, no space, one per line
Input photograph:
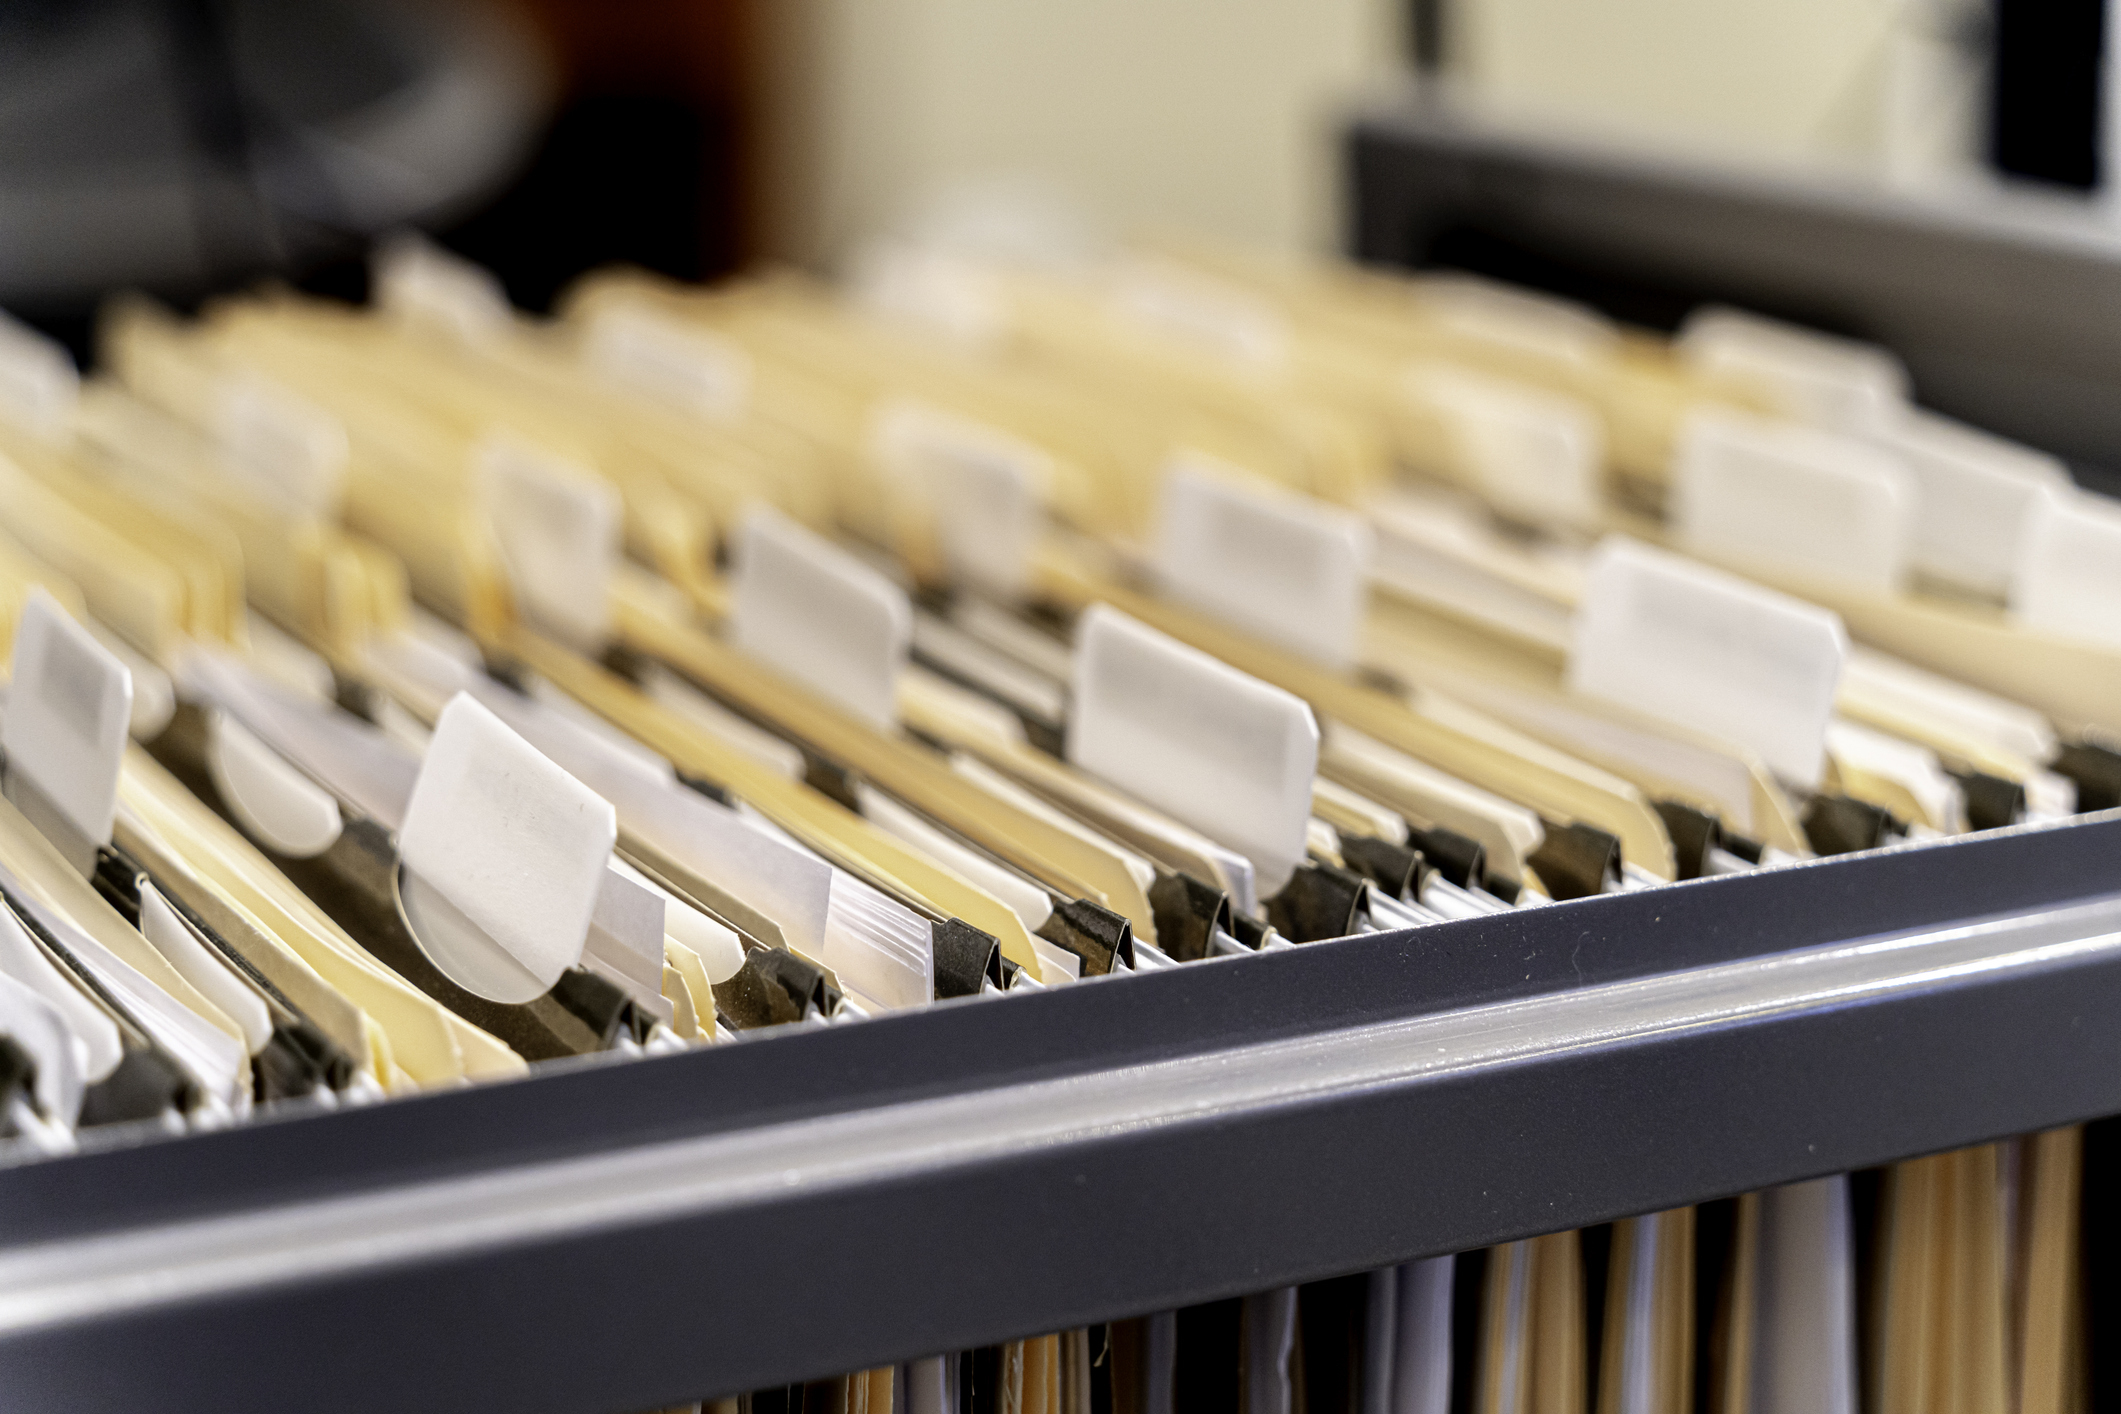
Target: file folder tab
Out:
[2068,579]
[1792,498]
[814,613]
[502,858]
[983,489]
[273,801]
[699,372]
[68,705]
[418,280]
[1221,751]
[1287,567]
[558,527]
[1824,380]
[1705,650]
[1974,495]
[930,289]
[55,1057]
[1202,313]
[1536,327]
[292,450]
[1535,455]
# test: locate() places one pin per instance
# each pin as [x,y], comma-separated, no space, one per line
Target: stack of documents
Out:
[407,695]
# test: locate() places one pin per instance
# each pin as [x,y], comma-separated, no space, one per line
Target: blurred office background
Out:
[189,145]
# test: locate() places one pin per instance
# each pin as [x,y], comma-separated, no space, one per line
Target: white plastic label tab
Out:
[292,449]
[1792,499]
[1974,492]
[688,368]
[626,936]
[1513,320]
[1535,455]
[984,489]
[811,611]
[169,934]
[85,1018]
[1286,567]
[417,279]
[1223,752]
[933,290]
[270,797]
[1707,651]
[1820,379]
[503,857]
[69,703]
[36,1025]
[2068,579]
[38,381]
[559,528]
[1915,769]
[1202,312]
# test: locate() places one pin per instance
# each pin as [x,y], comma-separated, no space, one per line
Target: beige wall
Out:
[1217,115]
[1214,115]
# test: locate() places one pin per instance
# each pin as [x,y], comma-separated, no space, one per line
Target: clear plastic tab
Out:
[416,279]
[1707,651]
[2068,579]
[1202,313]
[1817,378]
[1517,322]
[281,444]
[1286,567]
[36,1025]
[1535,455]
[1220,751]
[625,940]
[983,489]
[86,1020]
[273,800]
[503,857]
[811,611]
[1792,499]
[687,368]
[559,527]
[69,705]
[1974,493]
[930,289]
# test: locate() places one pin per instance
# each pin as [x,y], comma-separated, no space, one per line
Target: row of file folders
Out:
[405,696]
[1661,1312]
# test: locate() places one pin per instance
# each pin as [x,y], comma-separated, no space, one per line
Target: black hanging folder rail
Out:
[612,1235]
